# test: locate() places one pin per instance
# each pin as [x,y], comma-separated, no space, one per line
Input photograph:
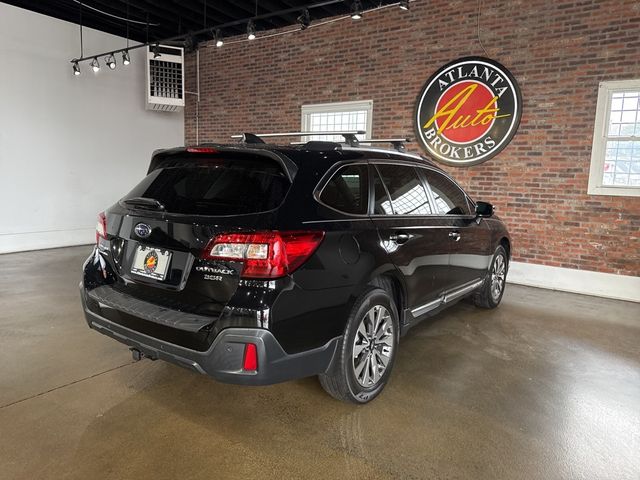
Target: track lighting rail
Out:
[215,30]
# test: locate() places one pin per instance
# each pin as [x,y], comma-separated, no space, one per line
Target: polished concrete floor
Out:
[547,386]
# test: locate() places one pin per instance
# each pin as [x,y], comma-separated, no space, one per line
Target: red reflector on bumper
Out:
[250,361]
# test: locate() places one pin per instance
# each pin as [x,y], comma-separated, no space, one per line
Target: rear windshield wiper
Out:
[143,202]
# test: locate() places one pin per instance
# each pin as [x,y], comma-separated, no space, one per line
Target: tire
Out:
[361,379]
[490,294]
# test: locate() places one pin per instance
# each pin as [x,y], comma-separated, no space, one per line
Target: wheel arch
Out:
[506,244]
[393,285]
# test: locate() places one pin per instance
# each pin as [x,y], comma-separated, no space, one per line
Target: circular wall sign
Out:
[468,111]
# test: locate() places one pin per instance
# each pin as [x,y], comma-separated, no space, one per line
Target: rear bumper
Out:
[223,360]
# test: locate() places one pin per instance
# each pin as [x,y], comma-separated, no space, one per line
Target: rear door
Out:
[469,239]
[415,239]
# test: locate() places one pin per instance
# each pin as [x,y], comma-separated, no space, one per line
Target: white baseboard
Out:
[620,287]
[22,242]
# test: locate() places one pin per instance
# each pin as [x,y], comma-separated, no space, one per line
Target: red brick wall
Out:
[558,51]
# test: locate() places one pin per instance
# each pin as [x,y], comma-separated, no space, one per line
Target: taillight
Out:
[250,360]
[101,227]
[264,254]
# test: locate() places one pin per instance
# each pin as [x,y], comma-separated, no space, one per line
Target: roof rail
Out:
[349,136]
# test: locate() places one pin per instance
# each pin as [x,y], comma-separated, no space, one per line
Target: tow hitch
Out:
[137,354]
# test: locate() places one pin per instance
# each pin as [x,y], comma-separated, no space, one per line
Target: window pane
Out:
[624,116]
[408,195]
[621,158]
[449,198]
[347,190]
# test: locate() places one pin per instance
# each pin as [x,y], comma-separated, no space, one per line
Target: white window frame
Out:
[599,146]
[337,107]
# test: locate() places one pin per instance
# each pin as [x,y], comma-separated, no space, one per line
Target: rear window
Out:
[220,188]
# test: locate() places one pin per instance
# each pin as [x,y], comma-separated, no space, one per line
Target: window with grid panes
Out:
[615,154]
[332,117]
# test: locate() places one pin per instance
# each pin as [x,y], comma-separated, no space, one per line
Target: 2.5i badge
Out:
[468,111]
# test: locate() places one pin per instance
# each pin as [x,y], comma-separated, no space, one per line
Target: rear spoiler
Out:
[164,157]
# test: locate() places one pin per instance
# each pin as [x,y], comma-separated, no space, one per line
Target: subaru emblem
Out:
[142,230]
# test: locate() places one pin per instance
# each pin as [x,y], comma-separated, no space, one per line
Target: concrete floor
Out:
[547,386]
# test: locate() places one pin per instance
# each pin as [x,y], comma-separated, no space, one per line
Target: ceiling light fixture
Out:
[404,5]
[110,61]
[95,65]
[356,10]
[218,38]
[304,20]
[76,69]
[125,58]
[251,30]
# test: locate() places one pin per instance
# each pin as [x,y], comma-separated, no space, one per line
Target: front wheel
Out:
[490,294]
[367,351]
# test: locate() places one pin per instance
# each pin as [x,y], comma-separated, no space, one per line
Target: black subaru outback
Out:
[257,264]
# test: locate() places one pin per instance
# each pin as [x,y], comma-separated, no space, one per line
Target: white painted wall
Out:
[69,146]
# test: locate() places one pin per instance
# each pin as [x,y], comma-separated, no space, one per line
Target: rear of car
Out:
[189,265]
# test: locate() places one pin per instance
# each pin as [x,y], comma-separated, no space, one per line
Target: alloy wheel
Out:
[498,274]
[373,346]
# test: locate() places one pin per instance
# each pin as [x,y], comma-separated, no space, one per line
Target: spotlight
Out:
[110,61]
[95,65]
[356,10]
[218,38]
[155,51]
[76,69]
[125,58]
[251,30]
[404,5]
[304,20]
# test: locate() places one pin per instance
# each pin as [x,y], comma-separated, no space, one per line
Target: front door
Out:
[470,240]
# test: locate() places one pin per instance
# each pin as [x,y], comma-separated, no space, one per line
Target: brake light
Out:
[101,227]
[264,254]
[201,150]
[250,360]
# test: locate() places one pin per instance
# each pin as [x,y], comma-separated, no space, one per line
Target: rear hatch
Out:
[156,235]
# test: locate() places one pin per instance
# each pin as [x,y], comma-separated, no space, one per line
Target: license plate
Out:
[151,262]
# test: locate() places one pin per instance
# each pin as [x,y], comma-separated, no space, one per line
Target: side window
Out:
[347,190]
[448,197]
[408,196]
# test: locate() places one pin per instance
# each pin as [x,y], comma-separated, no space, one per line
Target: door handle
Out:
[399,237]
[455,236]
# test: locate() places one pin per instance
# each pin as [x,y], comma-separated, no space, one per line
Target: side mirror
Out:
[484,209]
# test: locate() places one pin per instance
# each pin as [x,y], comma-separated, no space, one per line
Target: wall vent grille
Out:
[165,78]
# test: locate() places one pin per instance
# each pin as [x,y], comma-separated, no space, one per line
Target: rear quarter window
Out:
[347,190]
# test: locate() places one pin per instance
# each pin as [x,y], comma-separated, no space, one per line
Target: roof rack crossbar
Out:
[301,134]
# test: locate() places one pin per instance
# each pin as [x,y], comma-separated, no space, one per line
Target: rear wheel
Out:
[367,351]
[492,289]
